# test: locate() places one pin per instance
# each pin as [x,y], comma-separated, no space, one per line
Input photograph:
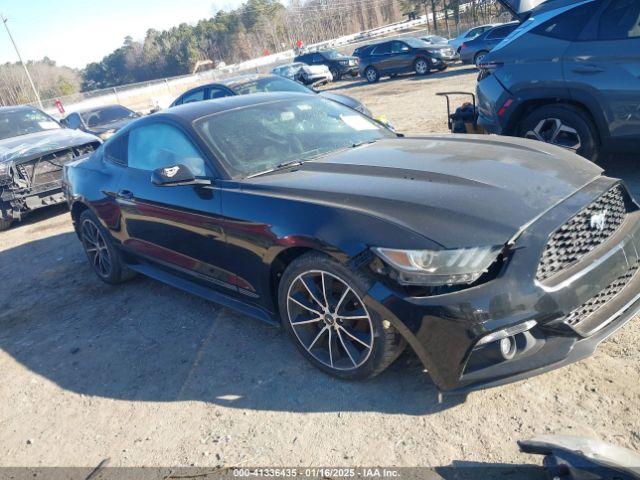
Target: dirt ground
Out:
[144,374]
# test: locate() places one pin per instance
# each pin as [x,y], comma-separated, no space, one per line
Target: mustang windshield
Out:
[23,121]
[263,137]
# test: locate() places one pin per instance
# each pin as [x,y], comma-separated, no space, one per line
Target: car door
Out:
[401,58]
[381,57]
[603,68]
[174,227]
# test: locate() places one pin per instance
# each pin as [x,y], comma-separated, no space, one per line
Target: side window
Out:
[381,49]
[196,96]
[116,149]
[160,145]
[500,32]
[568,25]
[218,93]
[399,47]
[620,20]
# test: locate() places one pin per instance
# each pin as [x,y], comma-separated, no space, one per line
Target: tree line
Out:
[257,27]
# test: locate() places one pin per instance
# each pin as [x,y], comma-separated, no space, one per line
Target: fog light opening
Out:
[508,348]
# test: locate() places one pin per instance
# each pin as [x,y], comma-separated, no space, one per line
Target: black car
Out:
[33,149]
[246,84]
[568,76]
[100,121]
[339,65]
[492,258]
[401,56]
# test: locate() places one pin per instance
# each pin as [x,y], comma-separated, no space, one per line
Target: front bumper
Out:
[444,329]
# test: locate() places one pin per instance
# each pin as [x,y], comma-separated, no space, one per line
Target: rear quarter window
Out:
[568,25]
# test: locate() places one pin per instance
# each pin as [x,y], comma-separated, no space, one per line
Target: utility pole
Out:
[35,91]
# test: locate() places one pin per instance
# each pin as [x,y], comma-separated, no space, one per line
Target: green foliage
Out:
[225,37]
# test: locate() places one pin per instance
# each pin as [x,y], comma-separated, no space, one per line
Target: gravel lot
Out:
[143,374]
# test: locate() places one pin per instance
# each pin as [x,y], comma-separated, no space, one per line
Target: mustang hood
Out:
[440,187]
[35,144]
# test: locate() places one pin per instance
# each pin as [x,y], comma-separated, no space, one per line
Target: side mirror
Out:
[176,175]
[64,122]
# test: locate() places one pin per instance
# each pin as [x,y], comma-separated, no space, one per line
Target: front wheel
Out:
[103,257]
[562,125]
[372,75]
[321,307]
[335,74]
[421,66]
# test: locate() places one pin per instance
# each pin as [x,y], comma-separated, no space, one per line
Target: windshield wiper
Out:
[280,166]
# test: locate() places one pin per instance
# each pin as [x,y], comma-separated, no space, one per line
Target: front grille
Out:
[583,233]
[601,298]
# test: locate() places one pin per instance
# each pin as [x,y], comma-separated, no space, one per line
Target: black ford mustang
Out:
[494,259]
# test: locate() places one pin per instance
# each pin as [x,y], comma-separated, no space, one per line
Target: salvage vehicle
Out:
[305,74]
[474,50]
[493,258]
[339,65]
[403,55]
[568,76]
[246,84]
[101,121]
[33,149]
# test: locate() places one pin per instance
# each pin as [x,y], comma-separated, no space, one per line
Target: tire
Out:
[362,346]
[372,75]
[335,74]
[478,57]
[5,224]
[103,257]
[421,66]
[563,125]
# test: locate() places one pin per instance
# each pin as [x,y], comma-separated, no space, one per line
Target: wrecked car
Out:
[33,149]
[494,259]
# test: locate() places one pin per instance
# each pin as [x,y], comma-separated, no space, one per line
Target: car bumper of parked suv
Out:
[550,321]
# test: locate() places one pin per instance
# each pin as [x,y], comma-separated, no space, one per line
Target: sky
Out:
[77,32]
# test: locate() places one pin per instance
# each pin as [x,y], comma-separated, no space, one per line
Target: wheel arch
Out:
[76,210]
[529,105]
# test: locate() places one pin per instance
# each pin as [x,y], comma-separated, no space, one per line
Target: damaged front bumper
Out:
[558,321]
[28,184]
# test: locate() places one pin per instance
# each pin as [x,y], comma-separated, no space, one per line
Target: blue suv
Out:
[569,75]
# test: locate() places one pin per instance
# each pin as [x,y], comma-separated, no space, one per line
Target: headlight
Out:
[439,267]
[4,169]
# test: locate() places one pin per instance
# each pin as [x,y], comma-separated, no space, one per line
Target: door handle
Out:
[588,69]
[125,195]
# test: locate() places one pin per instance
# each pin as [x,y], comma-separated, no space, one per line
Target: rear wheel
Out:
[562,125]
[421,66]
[103,257]
[321,307]
[5,224]
[372,75]
[479,57]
